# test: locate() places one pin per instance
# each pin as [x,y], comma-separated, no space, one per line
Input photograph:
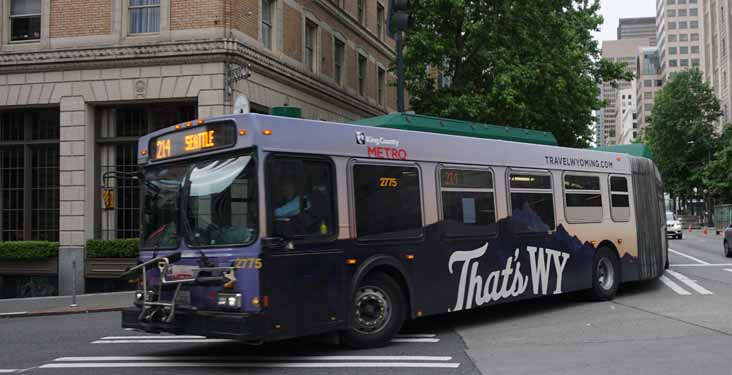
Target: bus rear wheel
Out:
[605,275]
[377,312]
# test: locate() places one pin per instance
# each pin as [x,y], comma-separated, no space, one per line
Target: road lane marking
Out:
[728,269]
[160,337]
[688,256]
[254,364]
[8,371]
[257,358]
[425,338]
[165,341]
[675,287]
[689,282]
[417,335]
[702,265]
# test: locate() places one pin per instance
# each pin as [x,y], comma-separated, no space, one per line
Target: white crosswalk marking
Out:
[675,287]
[688,257]
[689,282]
[425,338]
[345,361]
[257,358]
[254,365]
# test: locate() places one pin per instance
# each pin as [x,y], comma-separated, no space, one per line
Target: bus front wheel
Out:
[377,312]
[605,274]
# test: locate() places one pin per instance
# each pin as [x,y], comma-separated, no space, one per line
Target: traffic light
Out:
[399,17]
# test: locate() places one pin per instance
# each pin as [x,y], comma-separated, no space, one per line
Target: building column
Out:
[72,191]
[211,103]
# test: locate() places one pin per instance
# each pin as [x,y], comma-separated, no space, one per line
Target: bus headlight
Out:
[229,300]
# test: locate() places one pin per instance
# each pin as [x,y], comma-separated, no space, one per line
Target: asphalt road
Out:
[680,324]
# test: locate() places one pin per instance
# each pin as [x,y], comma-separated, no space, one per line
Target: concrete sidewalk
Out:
[86,303]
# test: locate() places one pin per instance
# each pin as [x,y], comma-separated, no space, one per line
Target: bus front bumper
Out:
[226,325]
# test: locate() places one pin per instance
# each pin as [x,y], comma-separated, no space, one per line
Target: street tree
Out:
[681,134]
[529,64]
[718,174]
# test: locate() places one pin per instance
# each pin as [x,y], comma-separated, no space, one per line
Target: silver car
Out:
[673,226]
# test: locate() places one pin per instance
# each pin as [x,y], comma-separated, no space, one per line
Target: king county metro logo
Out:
[360,138]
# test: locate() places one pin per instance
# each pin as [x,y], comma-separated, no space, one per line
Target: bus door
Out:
[303,262]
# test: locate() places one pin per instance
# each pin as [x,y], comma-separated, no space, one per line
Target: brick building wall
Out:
[326,43]
[245,16]
[196,14]
[72,18]
[292,33]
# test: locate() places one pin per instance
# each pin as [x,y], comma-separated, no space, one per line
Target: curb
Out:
[68,311]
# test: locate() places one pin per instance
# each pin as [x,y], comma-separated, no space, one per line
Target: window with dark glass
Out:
[583,199]
[388,201]
[361,75]
[311,33]
[118,129]
[29,175]
[532,202]
[267,6]
[468,201]
[144,16]
[339,58]
[381,84]
[25,20]
[361,11]
[619,199]
[380,21]
[302,198]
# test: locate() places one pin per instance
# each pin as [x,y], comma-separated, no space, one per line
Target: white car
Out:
[673,226]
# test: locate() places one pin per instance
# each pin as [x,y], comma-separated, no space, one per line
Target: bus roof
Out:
[285,134]
[429,124]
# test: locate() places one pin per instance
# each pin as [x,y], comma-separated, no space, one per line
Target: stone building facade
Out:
[81,80]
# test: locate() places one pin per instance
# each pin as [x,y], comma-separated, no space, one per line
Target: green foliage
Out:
[527,64]
[718,174]
[125,248]
[28,250]
[681,134]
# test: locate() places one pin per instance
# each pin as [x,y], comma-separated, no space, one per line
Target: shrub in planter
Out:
[28,250]
[125,248]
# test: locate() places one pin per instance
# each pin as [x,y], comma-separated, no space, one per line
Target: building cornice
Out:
[170,53]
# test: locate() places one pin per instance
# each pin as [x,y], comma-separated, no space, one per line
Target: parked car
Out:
[728,241]
[673,226]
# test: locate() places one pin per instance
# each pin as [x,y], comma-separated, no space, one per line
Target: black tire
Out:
[605,275]
[375,295]
[680,236]
[727,252]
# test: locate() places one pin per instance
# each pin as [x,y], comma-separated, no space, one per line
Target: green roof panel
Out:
[635,149]
[429,124]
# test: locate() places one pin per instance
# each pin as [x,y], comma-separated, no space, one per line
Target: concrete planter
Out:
[31,267]
[108,268]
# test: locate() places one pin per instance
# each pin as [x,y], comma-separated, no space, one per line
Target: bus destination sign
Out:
[193,140]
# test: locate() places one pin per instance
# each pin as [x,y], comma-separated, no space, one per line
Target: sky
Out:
[612,10]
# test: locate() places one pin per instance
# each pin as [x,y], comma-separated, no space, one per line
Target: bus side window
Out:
[388,201]
[619,199]
[301,199]
[582,199]
[468,202]
[532,203]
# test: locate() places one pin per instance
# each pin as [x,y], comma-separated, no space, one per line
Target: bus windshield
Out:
[217,199]
[220,203]
[160,206]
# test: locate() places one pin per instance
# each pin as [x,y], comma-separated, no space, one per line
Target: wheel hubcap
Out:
[605,274]
[373,309]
